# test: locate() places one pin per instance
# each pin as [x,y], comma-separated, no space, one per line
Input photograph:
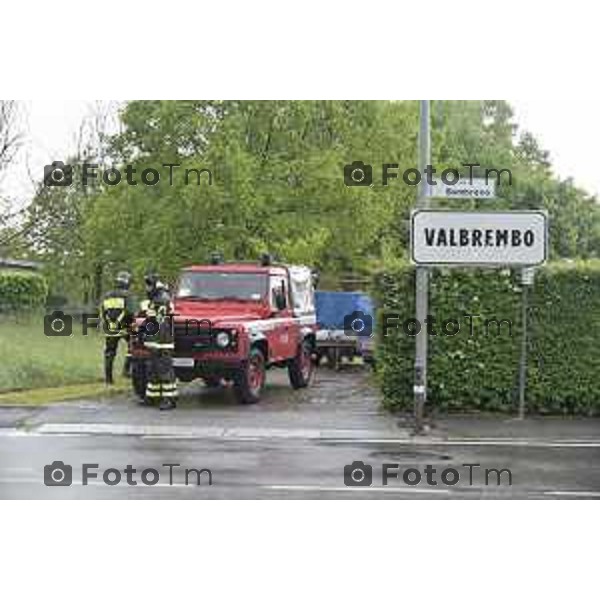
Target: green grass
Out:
[77,391]
[29,359]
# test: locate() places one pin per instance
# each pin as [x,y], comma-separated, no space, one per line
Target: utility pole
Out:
[422,276]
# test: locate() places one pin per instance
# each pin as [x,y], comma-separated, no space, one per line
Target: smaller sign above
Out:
[527,275]
[465,188]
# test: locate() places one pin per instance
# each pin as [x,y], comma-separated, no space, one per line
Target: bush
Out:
[22,291]
[480,371]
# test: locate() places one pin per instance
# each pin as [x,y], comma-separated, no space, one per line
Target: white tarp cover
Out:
[303,296]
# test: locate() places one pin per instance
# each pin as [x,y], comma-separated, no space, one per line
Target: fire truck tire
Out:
[301,366]
[250,381]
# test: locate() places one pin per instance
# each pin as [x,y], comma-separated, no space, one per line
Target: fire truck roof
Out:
[239,267]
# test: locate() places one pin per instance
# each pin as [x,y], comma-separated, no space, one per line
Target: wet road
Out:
[291,445]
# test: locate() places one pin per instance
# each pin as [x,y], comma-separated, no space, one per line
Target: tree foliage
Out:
[474,366]
[277,186]
[21,290]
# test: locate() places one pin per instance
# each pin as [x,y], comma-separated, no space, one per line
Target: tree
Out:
[277,170]
[277,186]
[10,142]
[53,224]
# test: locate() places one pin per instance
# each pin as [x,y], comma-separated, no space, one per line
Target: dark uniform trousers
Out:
[162,384]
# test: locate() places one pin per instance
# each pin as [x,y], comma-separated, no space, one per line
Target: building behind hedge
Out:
[16,264]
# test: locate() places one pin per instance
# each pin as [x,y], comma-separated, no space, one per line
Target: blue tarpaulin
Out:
[332,307]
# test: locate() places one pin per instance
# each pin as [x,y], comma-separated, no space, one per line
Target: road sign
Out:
[441,237]
[465,188]
[527,275]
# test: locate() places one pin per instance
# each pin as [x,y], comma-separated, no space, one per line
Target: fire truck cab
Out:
[234,321]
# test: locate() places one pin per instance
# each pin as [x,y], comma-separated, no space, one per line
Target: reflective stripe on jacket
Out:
[116,313]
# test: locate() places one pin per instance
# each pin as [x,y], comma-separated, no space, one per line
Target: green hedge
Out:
[22,290]
[479,371]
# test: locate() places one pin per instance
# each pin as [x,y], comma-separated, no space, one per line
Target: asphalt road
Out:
[291,445]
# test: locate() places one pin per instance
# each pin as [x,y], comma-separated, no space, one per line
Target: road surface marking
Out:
[303,488]
[78,484]
[278,487]
[573,494]
[337,436]
[340,488]
[13,432]
[513,442]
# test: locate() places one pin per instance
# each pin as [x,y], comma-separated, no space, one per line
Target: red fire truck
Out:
[234,321]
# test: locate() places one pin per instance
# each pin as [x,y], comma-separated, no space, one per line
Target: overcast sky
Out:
[562,127]
[568,129]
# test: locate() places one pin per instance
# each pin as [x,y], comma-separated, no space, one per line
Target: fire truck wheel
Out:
[139,378]
[301,366]
[250,381]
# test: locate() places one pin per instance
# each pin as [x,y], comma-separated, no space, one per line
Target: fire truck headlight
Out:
[223,339]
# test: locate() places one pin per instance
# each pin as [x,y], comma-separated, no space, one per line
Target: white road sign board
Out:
[465,188]
[441,237]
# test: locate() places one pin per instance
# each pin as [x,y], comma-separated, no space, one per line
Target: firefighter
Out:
[150,281]
[116,315]
[158,337]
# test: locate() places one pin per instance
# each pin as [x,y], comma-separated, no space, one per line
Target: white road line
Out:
[301,488]
[279,487]
[533,442]
[323,488]
[573,494]
[12,432]
[512,442]
[78,484]
[338,436]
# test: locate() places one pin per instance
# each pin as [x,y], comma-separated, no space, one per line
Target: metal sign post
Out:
[422,277]
[517,238]
[467,238]
[527,275]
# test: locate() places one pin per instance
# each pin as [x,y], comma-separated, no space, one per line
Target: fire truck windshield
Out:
[250,287]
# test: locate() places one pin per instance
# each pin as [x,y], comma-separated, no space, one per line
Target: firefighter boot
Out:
[168,394]
[167,404]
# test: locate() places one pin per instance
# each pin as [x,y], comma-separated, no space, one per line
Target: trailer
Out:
[345,327]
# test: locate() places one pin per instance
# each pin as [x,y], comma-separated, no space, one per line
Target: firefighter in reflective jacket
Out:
[116,315]
[158,337]
[151,281]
